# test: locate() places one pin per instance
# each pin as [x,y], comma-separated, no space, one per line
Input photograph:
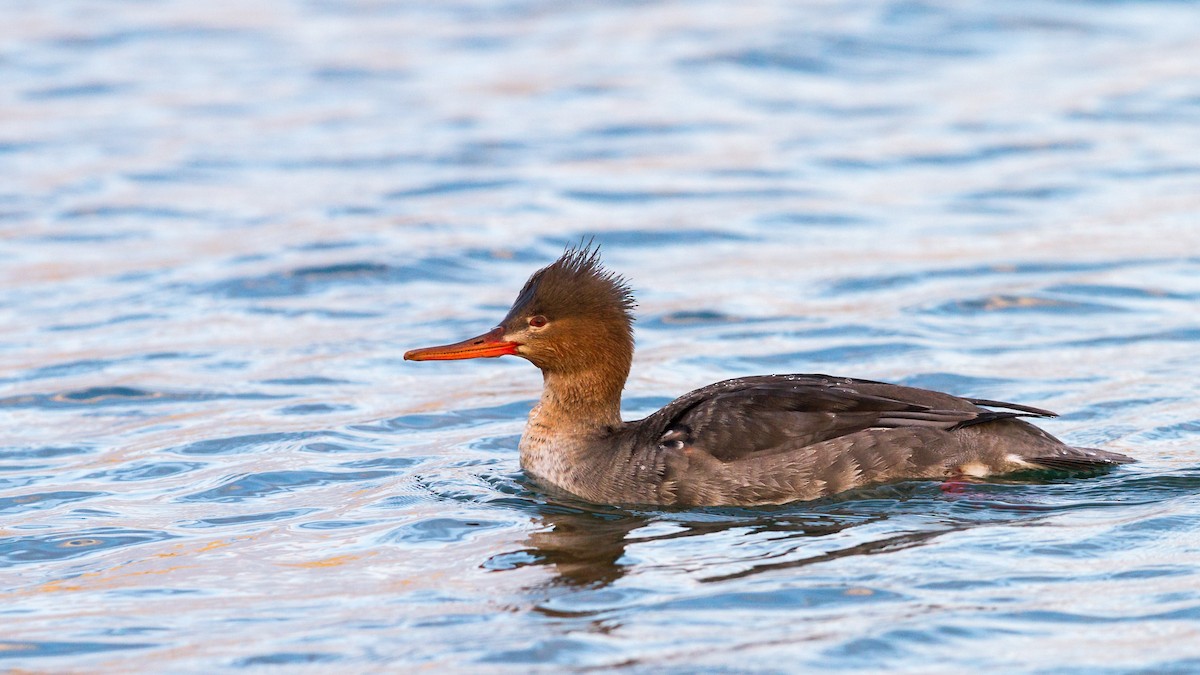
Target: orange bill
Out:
[488,345]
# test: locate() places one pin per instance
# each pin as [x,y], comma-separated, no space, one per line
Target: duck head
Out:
[572,316]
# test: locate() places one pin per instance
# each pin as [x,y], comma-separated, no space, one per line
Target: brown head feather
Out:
[577,284]
[589,316]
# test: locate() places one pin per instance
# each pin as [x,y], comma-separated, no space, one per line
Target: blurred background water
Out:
[222,223]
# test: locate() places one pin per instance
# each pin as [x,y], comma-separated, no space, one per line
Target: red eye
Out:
[537,321]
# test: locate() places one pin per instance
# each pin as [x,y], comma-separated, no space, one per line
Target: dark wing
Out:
[1074,460]
[754,416]
[1032,411]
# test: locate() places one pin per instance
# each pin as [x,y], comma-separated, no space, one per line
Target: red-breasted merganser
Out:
[767,439]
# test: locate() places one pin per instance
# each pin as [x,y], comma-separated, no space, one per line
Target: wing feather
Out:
[750,416]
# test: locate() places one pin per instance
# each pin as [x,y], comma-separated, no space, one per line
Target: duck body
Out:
[775,439]
[747,441]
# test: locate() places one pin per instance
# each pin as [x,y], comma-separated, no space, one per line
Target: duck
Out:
[747,441]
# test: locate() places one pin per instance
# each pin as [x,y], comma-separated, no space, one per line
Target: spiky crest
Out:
[576,284]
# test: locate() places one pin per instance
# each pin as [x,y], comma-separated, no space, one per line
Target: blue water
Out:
[222,224]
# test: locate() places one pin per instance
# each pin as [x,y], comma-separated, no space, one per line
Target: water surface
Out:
[222,224]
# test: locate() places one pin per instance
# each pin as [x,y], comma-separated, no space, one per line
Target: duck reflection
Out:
[587,547]
[584,548]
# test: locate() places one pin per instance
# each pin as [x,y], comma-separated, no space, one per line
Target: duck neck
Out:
[572,427]
[584,401]
[582,381]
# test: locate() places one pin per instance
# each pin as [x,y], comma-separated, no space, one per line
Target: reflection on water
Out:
[585,549]
[222,227]
[586,545]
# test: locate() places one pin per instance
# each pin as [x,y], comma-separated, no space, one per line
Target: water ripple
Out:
[314,280]
[16,650]
[267,483]
[31,549]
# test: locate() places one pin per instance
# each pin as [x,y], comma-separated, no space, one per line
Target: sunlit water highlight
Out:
[223,223]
